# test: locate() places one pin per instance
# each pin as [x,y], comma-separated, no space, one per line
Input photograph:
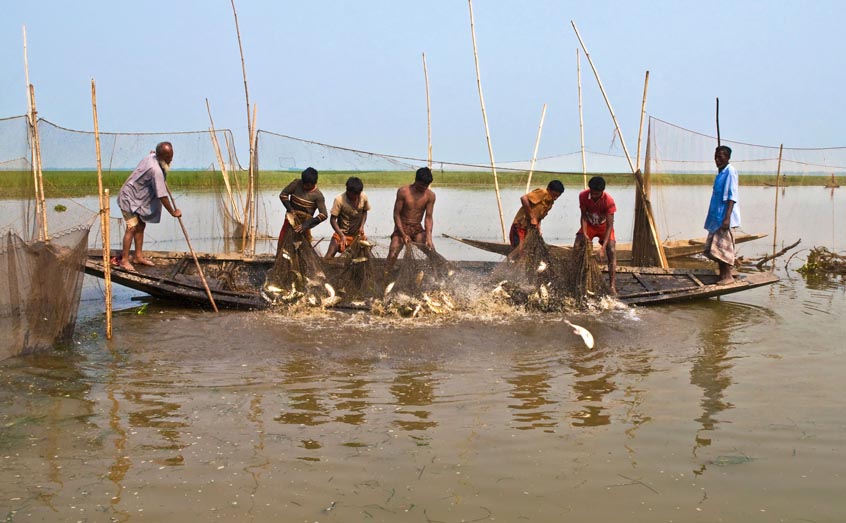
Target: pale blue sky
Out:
[349,73]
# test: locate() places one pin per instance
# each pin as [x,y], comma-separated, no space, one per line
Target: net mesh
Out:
[42,282]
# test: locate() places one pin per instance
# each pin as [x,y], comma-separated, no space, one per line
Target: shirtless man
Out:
[414,202]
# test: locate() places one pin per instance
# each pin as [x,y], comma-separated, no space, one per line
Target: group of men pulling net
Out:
[414,278]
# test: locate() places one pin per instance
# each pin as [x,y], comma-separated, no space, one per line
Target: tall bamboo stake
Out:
[243,67]
[607,101]
[249,210]
[581,120]
[104,215]
[718,121]
[31,134]
[775,211]
[107,269]
[41,205]
[223,170]
[428,114]
[535,153]
[485,118]
[642,113]
[193,254]
[254,228]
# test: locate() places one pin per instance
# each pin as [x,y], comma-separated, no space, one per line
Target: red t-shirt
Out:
[596,211]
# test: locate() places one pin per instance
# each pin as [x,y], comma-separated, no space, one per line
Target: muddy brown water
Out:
[719,410]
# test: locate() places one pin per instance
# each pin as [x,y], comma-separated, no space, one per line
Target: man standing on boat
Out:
[414,206]
[597,221]
[348,216]
[723,216]
[301,198]
[141,199]
[534,206]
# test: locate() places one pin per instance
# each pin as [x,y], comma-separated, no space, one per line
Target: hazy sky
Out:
[350,73]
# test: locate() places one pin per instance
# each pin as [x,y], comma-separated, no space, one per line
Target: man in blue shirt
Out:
[723,216]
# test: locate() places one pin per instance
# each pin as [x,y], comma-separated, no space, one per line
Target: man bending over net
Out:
[597,221]
[301,198]
[534,207]
[348,216]
[414,206]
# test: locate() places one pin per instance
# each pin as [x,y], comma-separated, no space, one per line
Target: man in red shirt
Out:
[597,221]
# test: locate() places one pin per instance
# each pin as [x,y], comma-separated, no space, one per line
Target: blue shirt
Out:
[143,189]
[725,189]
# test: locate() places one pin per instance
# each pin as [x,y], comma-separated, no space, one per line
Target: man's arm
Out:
[429,221]
[609,227]
[524,201]
[399,204]
[176,213]
[285,195]
[727,217]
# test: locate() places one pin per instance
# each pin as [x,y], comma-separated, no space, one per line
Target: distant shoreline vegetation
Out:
[58,183]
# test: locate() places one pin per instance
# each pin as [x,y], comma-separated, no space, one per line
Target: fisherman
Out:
[301,198]
[348,216]
[597,221]
[534,207]
[141,199]
[723,216]
[414,206]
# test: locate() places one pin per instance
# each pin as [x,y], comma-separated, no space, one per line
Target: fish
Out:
[273,288]
[286,255]
[418,280]
[587,337]
[389,288]
[365,243]
[541,267]
[330,290]
[361,259]
[499,291]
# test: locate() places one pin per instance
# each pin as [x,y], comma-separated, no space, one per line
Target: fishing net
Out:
[540,278]
[797,176]
[42,282]
[298,271]
[356,280]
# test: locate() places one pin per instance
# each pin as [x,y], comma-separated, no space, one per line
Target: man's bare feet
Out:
[613,290]
[726,281]
[125,265]
[143,261]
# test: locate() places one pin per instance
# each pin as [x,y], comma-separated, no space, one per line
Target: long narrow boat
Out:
[672,248]
[235,281]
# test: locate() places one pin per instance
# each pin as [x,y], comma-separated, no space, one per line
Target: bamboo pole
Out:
[230,151]
[535,153]
[243,67]
[31,135]
[605,96]
[104,215]
[41,205]
[249,210]
[107,269]
[428,114]
[485,118]
[718,121]
[581,120]
[193,254]
[254,228]
[775,211]
[640,128]
[223,171]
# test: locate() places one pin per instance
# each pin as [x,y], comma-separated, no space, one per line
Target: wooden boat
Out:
[672,248]
[236,281]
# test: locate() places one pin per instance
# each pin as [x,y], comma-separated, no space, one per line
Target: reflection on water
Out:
[531,388]
[592,381]
[413,389]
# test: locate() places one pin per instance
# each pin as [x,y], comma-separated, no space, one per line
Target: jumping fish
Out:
[587,337]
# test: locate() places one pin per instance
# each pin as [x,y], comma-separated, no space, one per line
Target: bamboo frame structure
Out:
[223,171]
[485,118]
[653,230]
[40,204]
[193,254]
[104,215]
[775,210]
[535,153]
[428,115]
[640,127]
[581,119]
